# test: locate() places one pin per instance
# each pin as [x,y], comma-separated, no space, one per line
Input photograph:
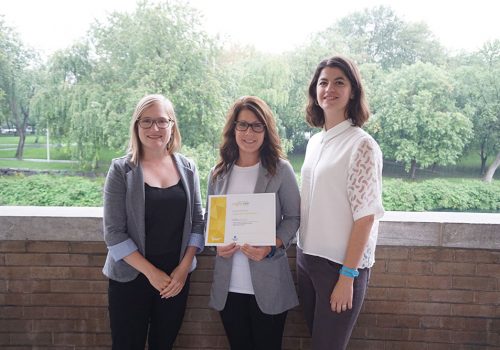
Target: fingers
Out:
[160,280]
[340,306]
[227,251]
[172,289]
[255,253]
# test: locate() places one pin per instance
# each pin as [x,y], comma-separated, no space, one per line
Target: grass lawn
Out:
[467,167]
[25,164]
[35,148]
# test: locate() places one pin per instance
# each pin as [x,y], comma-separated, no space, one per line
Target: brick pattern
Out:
[53,296]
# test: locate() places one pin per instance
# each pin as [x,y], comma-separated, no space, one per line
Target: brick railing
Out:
[435,285]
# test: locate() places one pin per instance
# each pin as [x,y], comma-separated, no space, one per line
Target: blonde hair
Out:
[135,145]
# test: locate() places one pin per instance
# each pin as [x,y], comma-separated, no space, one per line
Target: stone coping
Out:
[429,229]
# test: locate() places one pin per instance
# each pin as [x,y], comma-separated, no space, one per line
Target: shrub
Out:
[401,195]
[441,195]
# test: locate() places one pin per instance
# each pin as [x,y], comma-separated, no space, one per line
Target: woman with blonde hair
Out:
[153,227]
[253,287]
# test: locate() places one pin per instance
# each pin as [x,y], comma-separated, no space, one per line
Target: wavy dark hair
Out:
[270,151]
[357,109]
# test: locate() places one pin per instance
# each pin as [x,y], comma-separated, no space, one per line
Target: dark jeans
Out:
[137,311]
[316,279]
[247,327]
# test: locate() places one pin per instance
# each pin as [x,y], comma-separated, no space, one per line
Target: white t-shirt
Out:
[341,183]
[242,180]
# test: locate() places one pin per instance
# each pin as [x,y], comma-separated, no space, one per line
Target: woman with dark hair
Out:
[341,203]
[153,226]
[253,287]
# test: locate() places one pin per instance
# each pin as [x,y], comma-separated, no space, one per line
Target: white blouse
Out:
[341,183]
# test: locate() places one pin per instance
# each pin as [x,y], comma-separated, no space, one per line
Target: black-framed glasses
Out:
[243,126]
[147,123]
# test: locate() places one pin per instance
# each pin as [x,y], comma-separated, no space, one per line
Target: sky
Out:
[270,25]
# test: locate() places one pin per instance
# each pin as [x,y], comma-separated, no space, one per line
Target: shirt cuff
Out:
[377,211]
[197,240]
[123,249]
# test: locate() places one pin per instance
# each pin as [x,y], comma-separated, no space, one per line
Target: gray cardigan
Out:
[123,219]
[271,277]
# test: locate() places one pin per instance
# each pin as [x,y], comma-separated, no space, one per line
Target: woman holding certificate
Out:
[153,226]
[253,287]
[341,204]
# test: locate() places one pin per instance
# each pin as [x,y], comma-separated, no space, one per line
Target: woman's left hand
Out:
[178,279]
[341,297]
[255,253]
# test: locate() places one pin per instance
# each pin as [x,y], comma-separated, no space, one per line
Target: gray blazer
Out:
[271,277]
[123,219]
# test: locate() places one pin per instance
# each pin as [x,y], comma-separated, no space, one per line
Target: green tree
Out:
[416,121]
[17,81]
[378,35]
[160,48]
[93,86]
[65,71]
[478,93]
[249,72]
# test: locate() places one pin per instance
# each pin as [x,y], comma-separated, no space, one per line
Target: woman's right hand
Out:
[227,251]
[158,279]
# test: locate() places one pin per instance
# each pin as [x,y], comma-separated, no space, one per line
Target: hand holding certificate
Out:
[241,218]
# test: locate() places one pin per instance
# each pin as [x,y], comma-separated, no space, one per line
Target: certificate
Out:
[241,218]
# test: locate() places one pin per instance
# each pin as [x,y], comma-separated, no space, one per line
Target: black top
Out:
[164,218]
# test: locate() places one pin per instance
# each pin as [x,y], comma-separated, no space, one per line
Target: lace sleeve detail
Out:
[364,180]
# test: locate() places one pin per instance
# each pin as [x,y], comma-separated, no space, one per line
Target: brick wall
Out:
[53,296]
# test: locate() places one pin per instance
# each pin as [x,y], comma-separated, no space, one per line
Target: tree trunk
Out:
[20,145]
[413,169]
[21,129]
[491,170]
[484,158]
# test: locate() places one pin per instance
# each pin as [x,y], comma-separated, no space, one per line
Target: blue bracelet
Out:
[346,271]
[272,252]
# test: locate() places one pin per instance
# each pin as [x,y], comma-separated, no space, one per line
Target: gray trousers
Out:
[316,279]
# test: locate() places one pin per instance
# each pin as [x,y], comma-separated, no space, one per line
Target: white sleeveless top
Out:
[242,180]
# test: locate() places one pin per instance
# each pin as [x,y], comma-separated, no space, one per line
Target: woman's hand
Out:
[255,253]
[177,280]
[227,251]
[341,297]
[158,279]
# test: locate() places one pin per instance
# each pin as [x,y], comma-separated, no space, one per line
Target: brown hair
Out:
[357,109]
[135,145]
[270,151]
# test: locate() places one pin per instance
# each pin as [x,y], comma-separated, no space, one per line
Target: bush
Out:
[51,190]
[401,195]
[441,195]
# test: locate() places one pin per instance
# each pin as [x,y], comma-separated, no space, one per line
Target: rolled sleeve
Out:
[123,249]
[197,240]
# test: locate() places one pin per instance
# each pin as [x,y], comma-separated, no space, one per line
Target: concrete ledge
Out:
[425,229]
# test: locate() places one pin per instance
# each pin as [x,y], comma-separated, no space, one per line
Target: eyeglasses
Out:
[243,126]
[147,123]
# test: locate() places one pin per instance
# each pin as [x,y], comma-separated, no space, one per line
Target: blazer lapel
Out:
[135,196]
[262,180]
[222,182]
